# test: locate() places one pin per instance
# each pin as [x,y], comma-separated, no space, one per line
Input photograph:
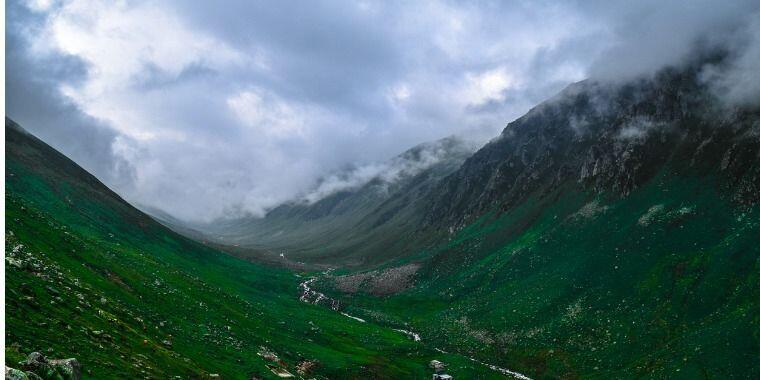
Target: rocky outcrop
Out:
[15,374]
[38,367]
[380,282]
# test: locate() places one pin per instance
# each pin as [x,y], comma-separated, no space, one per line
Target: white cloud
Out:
[388,172]
[40,5]
[400,93]
[638,128]
[488,86]
[118,42]
[270,116]
[738,82]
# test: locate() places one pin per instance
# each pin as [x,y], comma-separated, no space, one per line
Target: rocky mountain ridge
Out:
[608,137]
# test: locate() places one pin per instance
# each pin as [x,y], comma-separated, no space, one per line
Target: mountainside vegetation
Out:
[89,276]
[662,283]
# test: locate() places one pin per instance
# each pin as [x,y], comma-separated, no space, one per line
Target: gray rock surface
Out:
[38,367]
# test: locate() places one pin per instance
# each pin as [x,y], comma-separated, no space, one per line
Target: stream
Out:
[314,297]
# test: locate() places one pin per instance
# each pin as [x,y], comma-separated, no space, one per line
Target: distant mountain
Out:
[346,220]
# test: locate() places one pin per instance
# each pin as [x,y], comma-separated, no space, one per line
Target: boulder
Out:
[437,365]
[37,366]
[68,368]
[37,363]
[16,374]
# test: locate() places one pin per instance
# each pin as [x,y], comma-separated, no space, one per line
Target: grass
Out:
[662,283]
[90,277]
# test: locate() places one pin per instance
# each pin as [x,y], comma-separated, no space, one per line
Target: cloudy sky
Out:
[207,109]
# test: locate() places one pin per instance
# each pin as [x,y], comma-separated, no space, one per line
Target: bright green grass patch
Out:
[663,283]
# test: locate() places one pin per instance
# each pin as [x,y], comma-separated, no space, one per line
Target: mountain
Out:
[611,232]
[344,221]
[91,277]
[598,137]
[608,138]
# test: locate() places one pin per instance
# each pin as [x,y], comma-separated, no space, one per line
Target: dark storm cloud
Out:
[235,107]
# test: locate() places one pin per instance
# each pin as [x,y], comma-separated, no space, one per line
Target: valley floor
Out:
[89,277]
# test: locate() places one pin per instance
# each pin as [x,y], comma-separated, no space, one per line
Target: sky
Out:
[208,109]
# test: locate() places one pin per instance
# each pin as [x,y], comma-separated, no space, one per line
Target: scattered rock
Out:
[37,366]
[15,374]
[305,367]
[437,365]
[14,262]
[590,210]
[651,215]
[69,368]
[267,354]
[280,372]
[382,282]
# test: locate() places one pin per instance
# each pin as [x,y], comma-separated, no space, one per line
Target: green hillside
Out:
[663,283]
[89,276]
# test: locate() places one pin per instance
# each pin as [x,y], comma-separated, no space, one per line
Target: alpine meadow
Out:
[382,190]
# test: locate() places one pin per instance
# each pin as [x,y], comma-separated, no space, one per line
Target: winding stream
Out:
[314,297]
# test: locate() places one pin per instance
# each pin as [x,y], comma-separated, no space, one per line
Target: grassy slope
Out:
[555,293]
[88,276]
